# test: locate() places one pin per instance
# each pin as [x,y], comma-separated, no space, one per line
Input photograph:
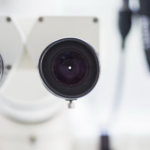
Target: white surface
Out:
[49,135]
[11,47]
[23,96]
[54,28]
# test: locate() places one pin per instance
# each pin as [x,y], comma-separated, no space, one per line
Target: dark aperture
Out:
[69,67]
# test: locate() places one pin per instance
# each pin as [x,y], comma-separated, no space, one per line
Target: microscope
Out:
[69,68]
[66,61]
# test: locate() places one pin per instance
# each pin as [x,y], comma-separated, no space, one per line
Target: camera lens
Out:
[70,67]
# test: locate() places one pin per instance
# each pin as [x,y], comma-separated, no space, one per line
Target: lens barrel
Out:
[69,68]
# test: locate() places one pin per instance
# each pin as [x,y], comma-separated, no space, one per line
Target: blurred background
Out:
[115,115]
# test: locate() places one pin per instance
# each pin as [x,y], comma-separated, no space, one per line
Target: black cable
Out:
[126,1]
[145,18]
[125,15]
[105,142]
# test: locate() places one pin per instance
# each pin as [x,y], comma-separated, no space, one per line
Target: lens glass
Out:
[69,67]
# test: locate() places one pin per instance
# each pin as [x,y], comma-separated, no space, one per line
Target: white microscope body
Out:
[30,116]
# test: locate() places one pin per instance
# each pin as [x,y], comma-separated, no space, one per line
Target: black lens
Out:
[69,67]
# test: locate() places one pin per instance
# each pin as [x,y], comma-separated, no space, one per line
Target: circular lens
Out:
[69,67]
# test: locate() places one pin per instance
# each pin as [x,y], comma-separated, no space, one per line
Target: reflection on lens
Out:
[69,67]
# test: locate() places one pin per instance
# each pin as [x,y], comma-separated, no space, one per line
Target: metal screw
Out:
[32,139]
[95,20]
[8,67]
[71,104]
[8,19]
[40,19]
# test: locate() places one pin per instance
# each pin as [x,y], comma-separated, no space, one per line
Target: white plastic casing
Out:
[48,29]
